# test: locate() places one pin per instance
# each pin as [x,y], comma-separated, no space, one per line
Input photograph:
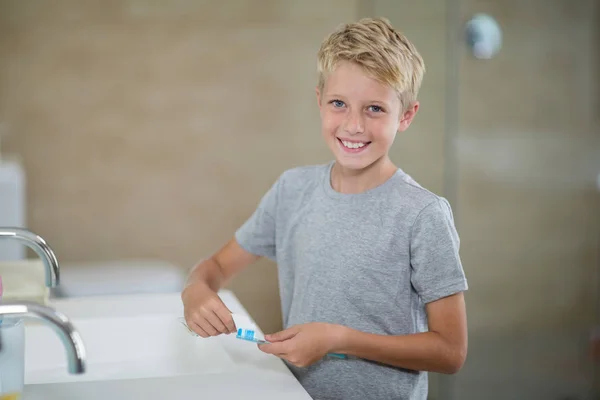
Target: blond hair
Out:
[384,53]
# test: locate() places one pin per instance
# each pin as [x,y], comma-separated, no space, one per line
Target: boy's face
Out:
[360,116]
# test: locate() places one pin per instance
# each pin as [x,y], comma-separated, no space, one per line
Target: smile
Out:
[353,147]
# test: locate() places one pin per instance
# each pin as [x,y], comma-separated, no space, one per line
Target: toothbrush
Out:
[246,329]
[248,334]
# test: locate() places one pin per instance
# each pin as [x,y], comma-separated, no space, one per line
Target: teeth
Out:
[352,145]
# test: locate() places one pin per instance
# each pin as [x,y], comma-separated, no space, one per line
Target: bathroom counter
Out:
[256,374]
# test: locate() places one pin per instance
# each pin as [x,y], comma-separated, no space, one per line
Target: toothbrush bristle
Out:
[247,334]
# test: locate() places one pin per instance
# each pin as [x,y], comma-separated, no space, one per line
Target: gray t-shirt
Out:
[369,261]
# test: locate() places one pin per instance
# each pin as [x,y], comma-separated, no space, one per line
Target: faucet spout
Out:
[62,326]
[39,245]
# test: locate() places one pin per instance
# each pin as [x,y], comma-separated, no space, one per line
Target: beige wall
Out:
[120,110]
[151,129]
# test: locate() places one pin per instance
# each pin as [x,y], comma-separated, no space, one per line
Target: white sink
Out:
[137,349]
[124,347]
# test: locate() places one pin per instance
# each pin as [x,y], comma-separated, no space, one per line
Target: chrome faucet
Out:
[39,245]
[69,336]
[61,324]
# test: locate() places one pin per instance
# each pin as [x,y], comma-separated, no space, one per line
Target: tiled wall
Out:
[152,129]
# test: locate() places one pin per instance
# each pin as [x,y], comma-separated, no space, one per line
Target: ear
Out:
[318,92]
[407,117]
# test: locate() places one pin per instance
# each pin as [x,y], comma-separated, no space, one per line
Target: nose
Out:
[355,123]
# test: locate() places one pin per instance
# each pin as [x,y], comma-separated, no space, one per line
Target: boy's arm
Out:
[442,349]
[438,278]
[204,311]
[217,270]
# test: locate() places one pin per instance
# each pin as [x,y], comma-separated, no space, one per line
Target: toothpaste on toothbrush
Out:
[246,329]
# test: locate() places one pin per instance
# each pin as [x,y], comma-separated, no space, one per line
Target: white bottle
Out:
[12,207]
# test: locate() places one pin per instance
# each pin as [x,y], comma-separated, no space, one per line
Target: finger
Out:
[277,349]
[213,316]
[194,327]
[291,359]
[198,329]
[299,362]
[206,326]
[220,324]
[225,316]
[283,335]
[216,323]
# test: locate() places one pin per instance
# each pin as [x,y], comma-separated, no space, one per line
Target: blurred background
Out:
[137,135]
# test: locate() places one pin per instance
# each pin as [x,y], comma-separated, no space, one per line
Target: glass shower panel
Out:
[522,165]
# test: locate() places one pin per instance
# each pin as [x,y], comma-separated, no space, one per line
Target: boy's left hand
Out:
[303,345]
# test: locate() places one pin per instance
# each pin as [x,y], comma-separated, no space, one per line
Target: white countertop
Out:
[257,376]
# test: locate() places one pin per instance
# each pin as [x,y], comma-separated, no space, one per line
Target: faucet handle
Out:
[42,249]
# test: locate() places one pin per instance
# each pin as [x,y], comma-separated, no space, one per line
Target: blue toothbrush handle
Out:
[337,355]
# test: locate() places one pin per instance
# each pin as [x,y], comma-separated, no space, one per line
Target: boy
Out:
[368,260]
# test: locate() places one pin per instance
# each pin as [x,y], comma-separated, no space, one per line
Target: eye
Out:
[375,109]
[337,103]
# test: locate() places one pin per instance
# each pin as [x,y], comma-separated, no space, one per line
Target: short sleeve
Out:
[257,234]
[437,270]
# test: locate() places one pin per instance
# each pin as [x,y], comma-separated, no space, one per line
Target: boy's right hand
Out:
[204,311]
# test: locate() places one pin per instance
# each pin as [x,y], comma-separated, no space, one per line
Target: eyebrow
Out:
[385,103]
[369,101]
[382,103]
